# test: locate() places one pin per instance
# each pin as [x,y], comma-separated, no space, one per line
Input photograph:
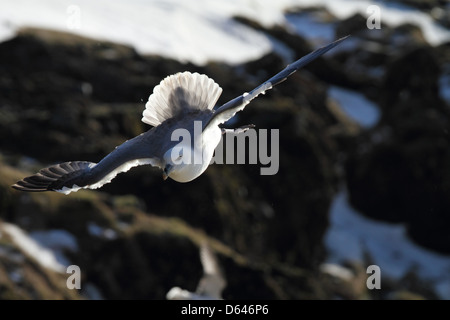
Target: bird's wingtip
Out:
[342,38]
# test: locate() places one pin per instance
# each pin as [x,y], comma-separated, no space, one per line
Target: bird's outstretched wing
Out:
[57,177]
[229,109]
[71,176]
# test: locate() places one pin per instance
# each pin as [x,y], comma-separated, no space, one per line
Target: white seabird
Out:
[210,286]
[181,103]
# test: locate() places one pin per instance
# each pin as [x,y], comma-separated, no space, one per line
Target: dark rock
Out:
[370,51]
[405,83]
[398,171]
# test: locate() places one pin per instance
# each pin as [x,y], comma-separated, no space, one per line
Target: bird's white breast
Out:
[204,148]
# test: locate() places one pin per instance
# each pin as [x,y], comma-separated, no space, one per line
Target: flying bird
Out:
[181,104]
[211,284]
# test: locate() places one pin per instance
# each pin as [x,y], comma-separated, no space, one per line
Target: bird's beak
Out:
[167,171]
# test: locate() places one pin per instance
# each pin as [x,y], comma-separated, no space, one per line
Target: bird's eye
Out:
[180,155]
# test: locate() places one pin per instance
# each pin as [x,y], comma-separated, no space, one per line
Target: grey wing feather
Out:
[71,176]
[229,109]
[54,177]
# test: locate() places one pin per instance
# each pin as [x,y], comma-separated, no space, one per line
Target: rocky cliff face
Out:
[64,97]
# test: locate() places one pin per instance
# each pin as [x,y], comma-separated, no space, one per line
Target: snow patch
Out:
[351,235]
[44,256]
[58,241]
[355,105]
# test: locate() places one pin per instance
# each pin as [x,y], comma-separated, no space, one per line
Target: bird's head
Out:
[173,162]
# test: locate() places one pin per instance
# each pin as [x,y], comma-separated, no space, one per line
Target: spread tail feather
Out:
[179,93]
[63,177]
